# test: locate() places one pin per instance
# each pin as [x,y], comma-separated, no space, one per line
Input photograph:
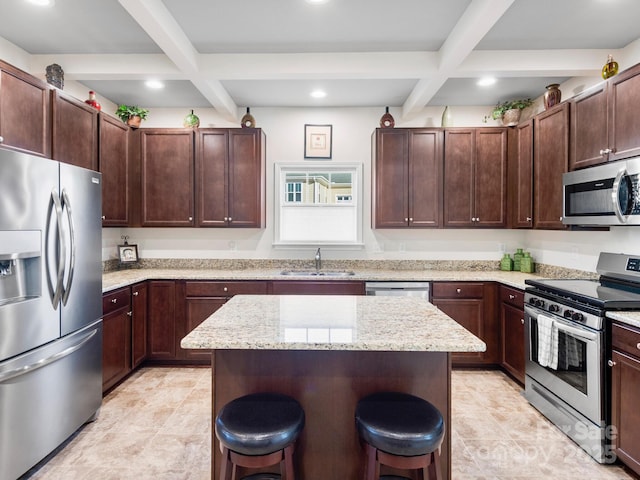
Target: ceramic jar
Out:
[552,96]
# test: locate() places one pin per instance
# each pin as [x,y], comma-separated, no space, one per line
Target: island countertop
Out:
[327,322]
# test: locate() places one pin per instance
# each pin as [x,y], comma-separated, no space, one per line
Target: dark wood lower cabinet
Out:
[512,331]
[625,392]
[139,323]
[472,305]
[161,336]
[116,337]
[304,287]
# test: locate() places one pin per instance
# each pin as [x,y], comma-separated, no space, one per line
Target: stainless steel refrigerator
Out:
[50,306]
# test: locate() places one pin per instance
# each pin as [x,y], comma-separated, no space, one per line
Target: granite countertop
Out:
[123,278]
[328,322]
[630,318]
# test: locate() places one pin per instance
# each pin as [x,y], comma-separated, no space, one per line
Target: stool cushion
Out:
[399,423]
[260,423]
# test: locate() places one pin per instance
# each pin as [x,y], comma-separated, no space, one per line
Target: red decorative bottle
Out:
[92,100]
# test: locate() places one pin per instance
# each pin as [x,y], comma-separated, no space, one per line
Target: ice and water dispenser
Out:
[20,266]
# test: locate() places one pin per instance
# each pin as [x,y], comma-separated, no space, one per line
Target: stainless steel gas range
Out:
[567,377]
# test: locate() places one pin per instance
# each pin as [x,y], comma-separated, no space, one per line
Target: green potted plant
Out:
[509,112]
[132,115]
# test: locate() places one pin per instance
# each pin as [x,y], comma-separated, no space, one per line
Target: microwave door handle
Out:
[576,332]
[615,198]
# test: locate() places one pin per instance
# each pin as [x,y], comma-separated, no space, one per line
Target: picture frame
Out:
[317,141]
[128,253]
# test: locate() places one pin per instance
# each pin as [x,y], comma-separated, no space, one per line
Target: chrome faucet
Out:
[318,260]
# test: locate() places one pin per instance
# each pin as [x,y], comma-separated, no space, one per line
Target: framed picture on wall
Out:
[128,253]
[317,141]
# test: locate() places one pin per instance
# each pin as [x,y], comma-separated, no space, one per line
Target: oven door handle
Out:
[576,332]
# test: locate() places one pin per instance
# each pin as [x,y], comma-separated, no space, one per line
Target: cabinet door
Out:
[390,173]
[198,310]
[625,416]
[459,147]
[469,314]
[167,177]
[513,338]
[425,178]
[304,287]
[162,334]
[212,152]
[490,177]
[624,98]
[521,177]
[246,178]
[551,152]
[116,347]
[75,131]
[25,122]
[113,161]
[589,127]
[139,324]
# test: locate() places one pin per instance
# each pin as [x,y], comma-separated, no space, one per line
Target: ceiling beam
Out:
[479,17]
[157,21]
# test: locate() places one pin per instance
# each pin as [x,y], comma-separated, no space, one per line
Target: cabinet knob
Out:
[114,300]
[135,294]
[406,219]
[611,363]
[638,346]
[104,217]
[511,297]
[522,321]
[230,219]
[190,219]
[130,314]
[225,219]
[411,219]
[458,290]
[225,289]
[602,151]
[1,139]
[528,219]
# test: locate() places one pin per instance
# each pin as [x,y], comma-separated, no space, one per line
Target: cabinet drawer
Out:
[626,339]
[512,296]
[115,300]
[225,289]
[457,290]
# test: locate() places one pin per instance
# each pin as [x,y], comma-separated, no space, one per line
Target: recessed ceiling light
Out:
[316,2]
[155,84]
[42,3]
[486,81]
[318,94]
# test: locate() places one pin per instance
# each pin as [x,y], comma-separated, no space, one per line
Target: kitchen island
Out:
[328,352]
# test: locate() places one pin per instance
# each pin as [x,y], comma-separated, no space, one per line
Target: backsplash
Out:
[543,270]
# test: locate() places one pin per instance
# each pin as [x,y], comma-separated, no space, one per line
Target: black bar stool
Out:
[259,430]
[401,431]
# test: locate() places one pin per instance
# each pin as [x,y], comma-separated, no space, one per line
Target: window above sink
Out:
[318,204]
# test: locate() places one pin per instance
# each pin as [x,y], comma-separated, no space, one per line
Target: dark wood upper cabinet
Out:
[75,131]
[230,173]
[167,177]
[407,178]
[604,121]
[520,184]
[551,160]
[113,161]
[25,112]
[475,177]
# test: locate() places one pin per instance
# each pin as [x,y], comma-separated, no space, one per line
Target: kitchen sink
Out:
[316,273]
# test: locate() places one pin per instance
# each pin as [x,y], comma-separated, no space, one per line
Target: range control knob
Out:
[568,313]
[577,317]
[540,303]
[553,308]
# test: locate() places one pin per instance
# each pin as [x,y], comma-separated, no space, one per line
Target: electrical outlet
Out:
[502,247]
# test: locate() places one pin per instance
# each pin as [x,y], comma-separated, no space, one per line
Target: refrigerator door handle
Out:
[16,372]
[57,292]
[66,204]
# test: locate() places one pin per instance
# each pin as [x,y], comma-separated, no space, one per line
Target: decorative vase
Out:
[511,117]
[447,117]
[191,120]
[134,121]
[386,120]
[55,75]
[247,120]
[610,68]
[552,96]
[92,100]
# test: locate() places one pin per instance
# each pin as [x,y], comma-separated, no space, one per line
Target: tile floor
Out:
[157,425]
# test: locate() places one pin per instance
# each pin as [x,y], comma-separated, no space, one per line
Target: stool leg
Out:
[227,467]
[434,466]
[288,463]
[371,468]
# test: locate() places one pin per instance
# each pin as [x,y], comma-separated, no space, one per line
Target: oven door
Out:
[577,380]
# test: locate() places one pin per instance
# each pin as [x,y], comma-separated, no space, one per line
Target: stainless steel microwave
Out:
[606,194]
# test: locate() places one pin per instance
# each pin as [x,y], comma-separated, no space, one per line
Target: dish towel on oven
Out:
[547,342]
